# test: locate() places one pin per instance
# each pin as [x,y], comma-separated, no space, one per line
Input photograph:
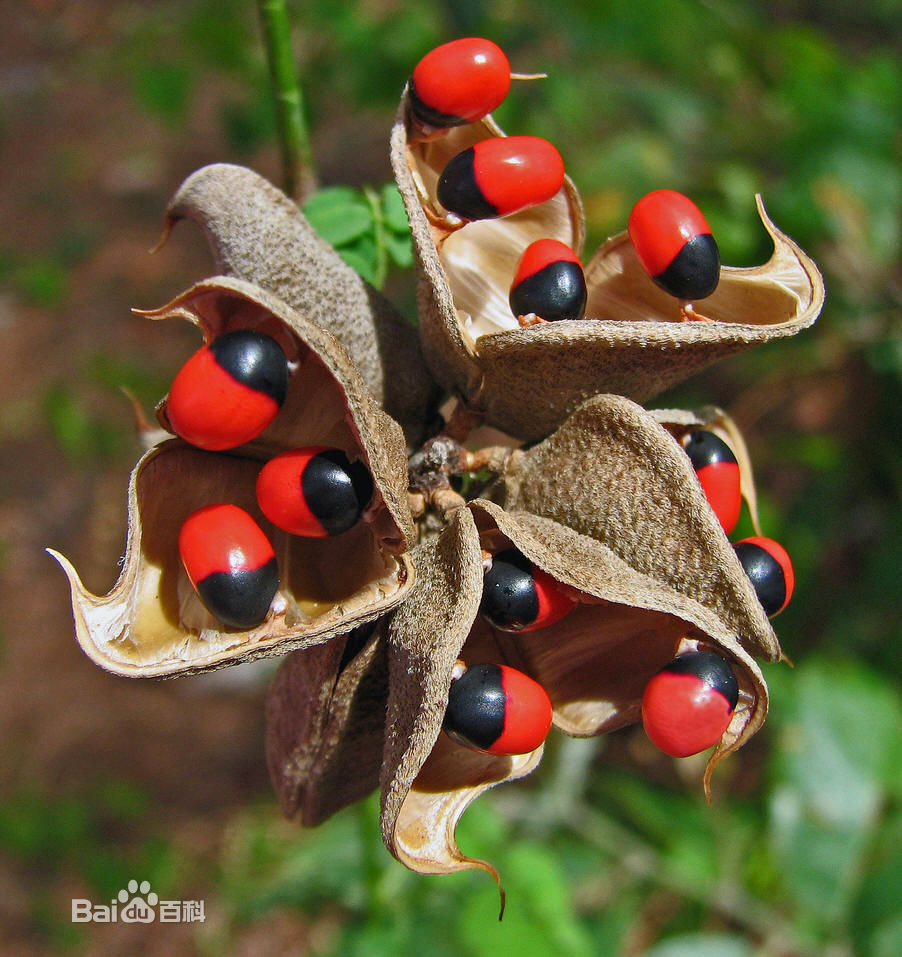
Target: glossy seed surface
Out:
[549,282]
[459,82]
[230,563]
[229,391]
[718,474]
[500,176]
[498,710]
[315,492]
[687,706]
[770,571]
[518,596]
[674,244]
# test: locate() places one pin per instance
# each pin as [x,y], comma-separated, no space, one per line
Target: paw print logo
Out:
[139,902]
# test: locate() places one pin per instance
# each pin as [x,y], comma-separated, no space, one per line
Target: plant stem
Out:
[299,177]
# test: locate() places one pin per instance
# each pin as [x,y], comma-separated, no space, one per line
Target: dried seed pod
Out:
[632,342]
[325,716]
[613,472]
[258,234]
[594,664]
[152,622]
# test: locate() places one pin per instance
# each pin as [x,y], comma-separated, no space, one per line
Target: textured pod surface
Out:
[325,724]
[594,664]
[152,622]
[613,472]
[258,234]
[428,783]
[632,341]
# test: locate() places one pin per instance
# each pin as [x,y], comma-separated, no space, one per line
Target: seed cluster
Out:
[675,247]
[225,395]
[578,576]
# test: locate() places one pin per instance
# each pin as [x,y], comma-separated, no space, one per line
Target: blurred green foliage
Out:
[801,102]
[367,227]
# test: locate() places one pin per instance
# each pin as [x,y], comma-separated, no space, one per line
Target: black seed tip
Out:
[459,192]
[509,598]
[476,707]
[558,291]
[712,669]
[240,599]
[765,574]
[255,360]
[695,270]
[705,448]
[336,491]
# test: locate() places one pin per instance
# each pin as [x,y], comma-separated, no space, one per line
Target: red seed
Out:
[718,474]
[315,492]
[770,571]
[501,176]
[498,710]
[549,282]
[230,563]
[687,706]
[674,244]
[459,82]
[229,391]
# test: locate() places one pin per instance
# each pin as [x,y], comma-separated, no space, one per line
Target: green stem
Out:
[299,177]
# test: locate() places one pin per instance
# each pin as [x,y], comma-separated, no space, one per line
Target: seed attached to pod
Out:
[718,474]
[500,176]
[498,710]
[315,492]
[518,596]
[688,705]
[459,82]
[549,282]
[674,244]
[229,391]
[231,564]
[769,568]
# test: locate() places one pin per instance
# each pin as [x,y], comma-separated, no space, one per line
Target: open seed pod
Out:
[632,342]
[594,664]
[613,472]
[325,724]
[257,233]
[152,622]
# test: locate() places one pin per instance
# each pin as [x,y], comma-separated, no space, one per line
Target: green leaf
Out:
[363,258]
[42,281]
[878,907]
[339,214]
[887,938]
[393,210]
[840,742]
[400,249]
